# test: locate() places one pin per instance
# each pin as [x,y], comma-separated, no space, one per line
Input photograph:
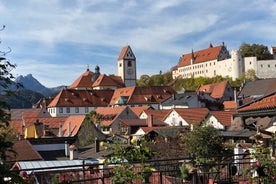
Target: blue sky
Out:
[55,40]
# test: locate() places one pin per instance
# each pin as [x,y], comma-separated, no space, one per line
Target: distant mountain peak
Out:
[31,83]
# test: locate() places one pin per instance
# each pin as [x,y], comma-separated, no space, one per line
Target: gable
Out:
[126,53]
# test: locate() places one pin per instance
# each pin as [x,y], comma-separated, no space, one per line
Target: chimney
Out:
[150,120]
[73,152]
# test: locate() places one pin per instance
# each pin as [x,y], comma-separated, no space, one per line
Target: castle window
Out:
[60,110]
[268,66]
[129,63]
[120,65]
[261,66]
[76,109]
[250,62]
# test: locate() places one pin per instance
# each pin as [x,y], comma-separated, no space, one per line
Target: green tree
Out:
[204,143]
[89,130]
[250,75]
[6,142]
[144,80]
[127,158]
[258,50]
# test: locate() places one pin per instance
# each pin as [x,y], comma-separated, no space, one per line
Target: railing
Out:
[227,171]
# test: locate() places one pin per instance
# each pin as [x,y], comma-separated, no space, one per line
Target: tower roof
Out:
[126,53]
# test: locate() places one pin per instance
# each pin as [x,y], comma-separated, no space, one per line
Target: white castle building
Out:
[217,60]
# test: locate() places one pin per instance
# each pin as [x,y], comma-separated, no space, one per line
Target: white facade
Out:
[174,119]
[232,67]
[69,111]
[263,68]
[213,121]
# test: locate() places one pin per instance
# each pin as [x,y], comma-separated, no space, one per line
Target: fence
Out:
[225,171]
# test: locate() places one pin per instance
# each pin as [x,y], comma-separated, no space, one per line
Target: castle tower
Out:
[127,66]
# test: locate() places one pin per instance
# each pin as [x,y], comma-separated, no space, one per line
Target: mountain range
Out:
[31,83]
[30,92]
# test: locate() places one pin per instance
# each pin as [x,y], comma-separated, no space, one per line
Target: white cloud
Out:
[156,30]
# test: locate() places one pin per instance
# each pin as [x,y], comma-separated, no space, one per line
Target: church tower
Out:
[127,66]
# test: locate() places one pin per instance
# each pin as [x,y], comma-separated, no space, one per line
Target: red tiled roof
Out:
[143,95]
[224,117]
[230,105]
[123,52]
[51,122]
[109,114]
[139,110]
[16,114]
[75,123]
[267,102]
[200,56]
[83,81]
[82,98]
[25,152]
[158,114]
[104,80]
[17,126]
[192,115]
[215,90]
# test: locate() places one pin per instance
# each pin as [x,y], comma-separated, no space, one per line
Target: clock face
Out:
[129,71]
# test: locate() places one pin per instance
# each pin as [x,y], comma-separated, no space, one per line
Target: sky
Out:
[55,40]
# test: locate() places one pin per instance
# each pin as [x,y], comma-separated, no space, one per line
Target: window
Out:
[67,109]
[268,66]
[76,109]
[261,66]
[120,65]
[60,110]
[86,109]
[129,63]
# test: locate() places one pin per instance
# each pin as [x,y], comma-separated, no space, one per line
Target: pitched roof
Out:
[224,117]
[17,114]
[258,88]
[215,90]
[82,98]
[109,114]
[83,81]
[192,115]
[230,105]
[17,126]
[263,103]
[140,109]
[75,124]
[111,80]
[123,53]
[142,95]
[24,151]
[156,113]
[142,122]
[209,54]
[51,122]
